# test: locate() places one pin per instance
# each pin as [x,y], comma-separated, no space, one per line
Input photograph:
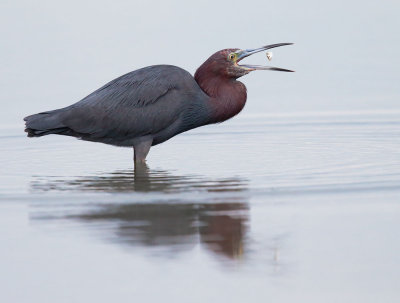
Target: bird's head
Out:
[225,63]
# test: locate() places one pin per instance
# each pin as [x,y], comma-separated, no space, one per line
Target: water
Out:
[288,208]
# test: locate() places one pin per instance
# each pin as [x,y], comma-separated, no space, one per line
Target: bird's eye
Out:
[231,56]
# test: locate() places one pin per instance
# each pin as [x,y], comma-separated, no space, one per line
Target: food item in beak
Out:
[269,56]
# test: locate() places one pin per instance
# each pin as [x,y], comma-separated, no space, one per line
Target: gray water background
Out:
[296,199]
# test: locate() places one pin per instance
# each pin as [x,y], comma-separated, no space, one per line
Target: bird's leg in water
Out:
[141,149]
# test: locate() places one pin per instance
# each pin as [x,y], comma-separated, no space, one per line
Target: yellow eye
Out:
[231,56]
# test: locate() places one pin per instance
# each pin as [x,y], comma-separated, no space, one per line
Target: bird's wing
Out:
[139,103]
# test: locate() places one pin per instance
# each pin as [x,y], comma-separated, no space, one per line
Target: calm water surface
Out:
[290,208]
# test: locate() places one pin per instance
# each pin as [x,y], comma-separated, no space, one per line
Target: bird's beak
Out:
[241,54]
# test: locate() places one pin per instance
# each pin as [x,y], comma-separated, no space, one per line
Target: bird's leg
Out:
[141,149]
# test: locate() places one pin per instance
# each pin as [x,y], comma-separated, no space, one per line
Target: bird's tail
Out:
[44,124]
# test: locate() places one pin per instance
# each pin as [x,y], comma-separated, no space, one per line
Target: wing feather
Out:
[139,103]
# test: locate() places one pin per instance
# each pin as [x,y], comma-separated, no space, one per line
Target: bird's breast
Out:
[230,101]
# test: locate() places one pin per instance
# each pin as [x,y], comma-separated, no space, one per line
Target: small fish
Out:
[269,56]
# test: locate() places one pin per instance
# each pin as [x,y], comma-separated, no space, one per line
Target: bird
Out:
[150,105]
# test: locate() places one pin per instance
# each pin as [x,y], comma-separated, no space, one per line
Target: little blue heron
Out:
[151,105]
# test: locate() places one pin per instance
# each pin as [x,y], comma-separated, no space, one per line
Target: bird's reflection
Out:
[181,212]
[140,179]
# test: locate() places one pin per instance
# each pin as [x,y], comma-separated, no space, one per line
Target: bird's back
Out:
[159,101]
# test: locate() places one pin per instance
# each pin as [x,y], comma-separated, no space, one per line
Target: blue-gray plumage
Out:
[149,106]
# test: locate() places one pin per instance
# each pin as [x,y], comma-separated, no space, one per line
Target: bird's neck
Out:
[227,96]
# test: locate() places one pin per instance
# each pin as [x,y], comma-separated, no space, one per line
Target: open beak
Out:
[241,54]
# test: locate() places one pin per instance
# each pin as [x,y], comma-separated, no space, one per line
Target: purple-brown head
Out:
[225,63]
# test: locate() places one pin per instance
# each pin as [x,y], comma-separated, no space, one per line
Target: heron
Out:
[150,105]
